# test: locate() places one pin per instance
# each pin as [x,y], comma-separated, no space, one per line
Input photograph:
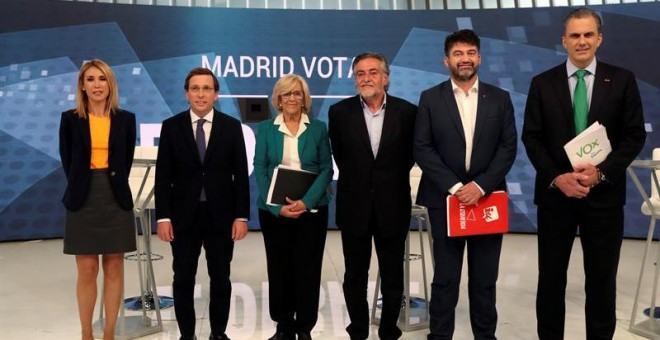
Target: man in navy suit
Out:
[371,138]
[465,144]
[588,196]
[202,199]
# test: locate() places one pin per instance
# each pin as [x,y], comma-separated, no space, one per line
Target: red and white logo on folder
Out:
[489,216]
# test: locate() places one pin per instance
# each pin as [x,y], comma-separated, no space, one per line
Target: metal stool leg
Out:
[649,326]
[420,231]
[425,217]
[374,306]
[406,287]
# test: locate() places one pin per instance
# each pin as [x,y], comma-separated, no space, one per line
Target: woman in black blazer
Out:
[97,140]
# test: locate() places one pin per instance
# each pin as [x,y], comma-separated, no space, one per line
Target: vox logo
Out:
[587,148]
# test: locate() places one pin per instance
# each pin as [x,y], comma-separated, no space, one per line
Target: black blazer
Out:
[366,184]
[615,103]
[440,142]
[76,153]
[180,174]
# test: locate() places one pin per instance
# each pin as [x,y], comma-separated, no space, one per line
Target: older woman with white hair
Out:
[294,233]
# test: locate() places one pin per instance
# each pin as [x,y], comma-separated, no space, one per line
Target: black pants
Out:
[601,234]
[186,247]
[483,257]
[294,255]
[357,258]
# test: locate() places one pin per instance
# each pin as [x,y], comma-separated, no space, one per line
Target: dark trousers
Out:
[483,258]
[294,255]
[601,234]
[357,258]
[186,247]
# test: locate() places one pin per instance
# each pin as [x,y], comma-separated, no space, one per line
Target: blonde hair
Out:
[82,101]
[286,84]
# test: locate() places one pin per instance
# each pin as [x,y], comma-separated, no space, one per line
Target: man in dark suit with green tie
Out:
[561,103]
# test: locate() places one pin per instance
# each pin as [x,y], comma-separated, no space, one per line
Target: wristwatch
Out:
[601,176]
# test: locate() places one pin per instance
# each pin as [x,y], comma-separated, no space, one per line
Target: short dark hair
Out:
[201,71]
[581,13]
[465,36]
[367,55]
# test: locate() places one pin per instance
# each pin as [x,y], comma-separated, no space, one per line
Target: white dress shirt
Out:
[467,108]
[374,121]
[290,155]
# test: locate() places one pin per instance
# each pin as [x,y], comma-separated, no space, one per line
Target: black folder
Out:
[289,182]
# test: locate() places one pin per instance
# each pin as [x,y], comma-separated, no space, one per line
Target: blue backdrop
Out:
[151,49]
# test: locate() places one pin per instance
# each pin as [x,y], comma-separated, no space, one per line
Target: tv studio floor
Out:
[37,296]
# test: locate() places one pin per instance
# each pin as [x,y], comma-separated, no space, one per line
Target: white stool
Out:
[135,326]
[414,311]
[650,326]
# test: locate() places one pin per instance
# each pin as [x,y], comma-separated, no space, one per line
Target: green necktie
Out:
[580,107]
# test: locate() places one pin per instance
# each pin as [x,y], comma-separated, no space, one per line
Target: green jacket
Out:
[314,153]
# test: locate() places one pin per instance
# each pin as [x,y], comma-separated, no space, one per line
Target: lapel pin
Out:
[607,80]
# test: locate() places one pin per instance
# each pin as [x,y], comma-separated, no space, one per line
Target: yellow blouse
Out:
[99,129]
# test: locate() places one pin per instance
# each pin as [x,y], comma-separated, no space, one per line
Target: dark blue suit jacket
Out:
[181,174]
[76,152]
[549,125]
[439,142]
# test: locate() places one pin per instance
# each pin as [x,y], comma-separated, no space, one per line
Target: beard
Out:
[367,92]
[466,74]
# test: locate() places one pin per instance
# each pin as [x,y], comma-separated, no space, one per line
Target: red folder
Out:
[489,216]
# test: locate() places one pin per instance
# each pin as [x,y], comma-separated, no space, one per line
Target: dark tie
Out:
[580,107]
[200,138]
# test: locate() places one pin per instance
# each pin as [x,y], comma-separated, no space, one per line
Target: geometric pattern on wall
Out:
[151,56]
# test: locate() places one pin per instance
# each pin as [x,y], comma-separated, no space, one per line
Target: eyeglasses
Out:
[204,89]
[294,94]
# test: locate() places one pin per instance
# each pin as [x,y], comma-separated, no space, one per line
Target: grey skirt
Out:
[101,226]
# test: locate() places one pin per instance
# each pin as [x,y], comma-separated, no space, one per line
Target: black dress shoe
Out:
[304,336]
[192,337]
[279,335]
[218,337]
